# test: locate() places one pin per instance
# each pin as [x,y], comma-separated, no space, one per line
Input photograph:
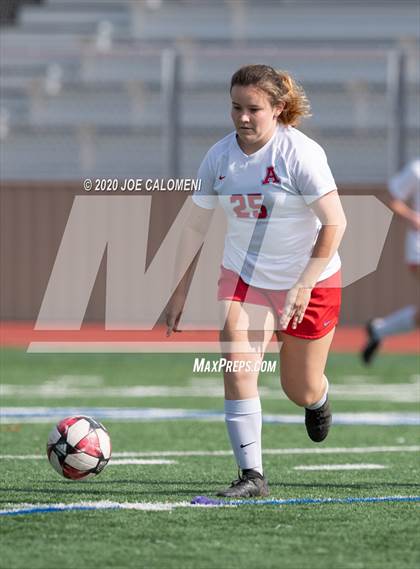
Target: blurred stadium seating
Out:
[81,80]
[9,9]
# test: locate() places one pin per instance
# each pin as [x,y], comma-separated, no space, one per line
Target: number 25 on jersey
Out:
[249,205]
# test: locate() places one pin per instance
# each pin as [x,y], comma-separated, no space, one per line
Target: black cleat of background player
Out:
[372,345]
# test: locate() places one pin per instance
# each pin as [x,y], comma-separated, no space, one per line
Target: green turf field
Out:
[290,536]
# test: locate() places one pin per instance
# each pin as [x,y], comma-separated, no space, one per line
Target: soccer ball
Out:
[79,447]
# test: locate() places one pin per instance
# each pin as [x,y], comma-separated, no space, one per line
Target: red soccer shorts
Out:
[321,315]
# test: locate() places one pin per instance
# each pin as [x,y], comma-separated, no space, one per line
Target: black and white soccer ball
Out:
[79,447]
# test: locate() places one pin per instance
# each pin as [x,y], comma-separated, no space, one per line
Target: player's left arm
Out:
[330,212]
[402,188]
[404,211]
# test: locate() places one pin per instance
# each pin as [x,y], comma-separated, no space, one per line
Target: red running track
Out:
[21,334]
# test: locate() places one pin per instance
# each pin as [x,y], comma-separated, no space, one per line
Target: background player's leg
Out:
[398,322]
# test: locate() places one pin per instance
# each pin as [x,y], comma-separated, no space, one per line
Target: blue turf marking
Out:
[49,509]
[205,501]
[299,501]
[47,414]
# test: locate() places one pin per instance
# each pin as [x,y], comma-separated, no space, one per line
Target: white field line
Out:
[340,467]
[272,451]
[142,461]
[397,392]
[102,505]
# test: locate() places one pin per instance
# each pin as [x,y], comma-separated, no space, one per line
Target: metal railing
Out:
[174,79]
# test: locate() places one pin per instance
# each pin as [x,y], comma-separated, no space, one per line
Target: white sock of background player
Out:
[398,322]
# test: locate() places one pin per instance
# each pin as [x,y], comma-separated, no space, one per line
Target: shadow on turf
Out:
[87,489]
[272,484]
[58,487]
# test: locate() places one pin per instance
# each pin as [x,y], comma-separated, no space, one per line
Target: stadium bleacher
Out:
[9,9]
[81,80]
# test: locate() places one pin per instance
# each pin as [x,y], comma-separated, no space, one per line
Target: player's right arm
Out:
[198,220]
[193,235]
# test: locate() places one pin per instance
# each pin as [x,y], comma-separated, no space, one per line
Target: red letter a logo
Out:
[271,176]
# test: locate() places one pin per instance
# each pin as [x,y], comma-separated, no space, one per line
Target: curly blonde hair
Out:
[280,87]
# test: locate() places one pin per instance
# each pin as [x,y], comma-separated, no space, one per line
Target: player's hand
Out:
[174,313]
[295,305]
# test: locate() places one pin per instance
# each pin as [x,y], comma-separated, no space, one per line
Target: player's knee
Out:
[240,386]
[298,398]
[304,399]
[301,397]
[235,376]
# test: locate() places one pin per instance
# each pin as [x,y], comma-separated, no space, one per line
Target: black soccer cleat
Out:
[372,345]
[250,484]
[318,422]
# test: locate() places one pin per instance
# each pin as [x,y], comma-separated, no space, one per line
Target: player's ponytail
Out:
[280,87]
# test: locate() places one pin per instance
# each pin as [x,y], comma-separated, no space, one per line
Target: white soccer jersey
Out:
[271,230]
[405,186]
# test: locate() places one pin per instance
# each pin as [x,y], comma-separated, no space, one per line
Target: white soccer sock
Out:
[400,321]
[244,422]
[321,402]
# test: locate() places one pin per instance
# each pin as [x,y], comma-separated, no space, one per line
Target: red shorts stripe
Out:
[321,315]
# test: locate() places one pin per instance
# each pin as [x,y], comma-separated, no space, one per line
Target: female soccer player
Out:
[404,190]
[280,271]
